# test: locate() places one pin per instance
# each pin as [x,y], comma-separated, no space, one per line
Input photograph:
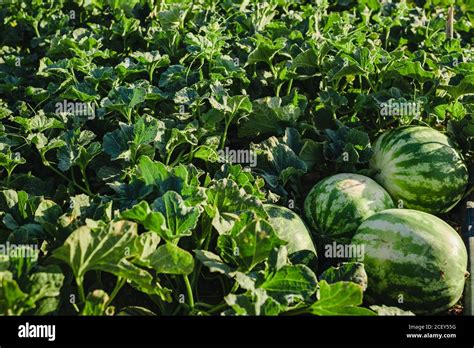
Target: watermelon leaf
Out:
[347,271]
[341,298]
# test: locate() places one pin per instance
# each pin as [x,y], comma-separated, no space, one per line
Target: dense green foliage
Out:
[121,123]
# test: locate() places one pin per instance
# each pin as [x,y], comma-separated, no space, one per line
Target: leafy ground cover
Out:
[139,141]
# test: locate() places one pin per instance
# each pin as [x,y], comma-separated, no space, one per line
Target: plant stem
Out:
[278,89]
[191,153]
[152,70]
[189,291]
[234,287]
[80,289]
[168,158]
[201,75]
[217,308]
[203,304]
[73,177]
[387,37]
[84,177]
[76,308]
[224,134]
[159,302]
[469,191]
[66,178]
[36,29]
[178,158]
[290,84]
[8,178]
[118,285]
[206,240]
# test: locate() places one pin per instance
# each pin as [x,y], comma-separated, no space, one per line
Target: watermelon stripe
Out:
[337,205]
[413,254]
[420,167]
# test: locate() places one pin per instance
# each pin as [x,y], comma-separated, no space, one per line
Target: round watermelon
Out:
[290,228]
[413,260]
[338,204]
[420,168]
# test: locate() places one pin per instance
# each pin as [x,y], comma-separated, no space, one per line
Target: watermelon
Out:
[338,204]
[413,260]
[291,228]
[420,168]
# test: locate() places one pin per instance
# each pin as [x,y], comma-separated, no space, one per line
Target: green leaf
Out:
[137,213]
[306,59]
[181,179]
[9,160]
[225,200]
[341,298]
[347,147]
[294,281]
[278,258]
[153,57]
[156,173]
[181,219]
[312,153]
[82,91]
[46,306]
[271,115]
[265,50]
[156,222]
[456,110]
[105,249]
[213,262]
[128,69]
[78,149]
[231,104]
[135,311]
[391,311]
[174,78]
[347,271]
[47,215]
[131,142]
[124,100]
[171,259]
[464,86]
[249,242]
[411,69]
[86,250]
[144,246]
[243,178]
[332,100]
[171,19]
[11,296]
[277,163]
[207,153]
[46,282]
[38,123]
[27,234]
[256,303]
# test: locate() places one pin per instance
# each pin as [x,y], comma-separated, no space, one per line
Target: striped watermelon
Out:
[413,260]
[337,205]
[420,168]
[289,227]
